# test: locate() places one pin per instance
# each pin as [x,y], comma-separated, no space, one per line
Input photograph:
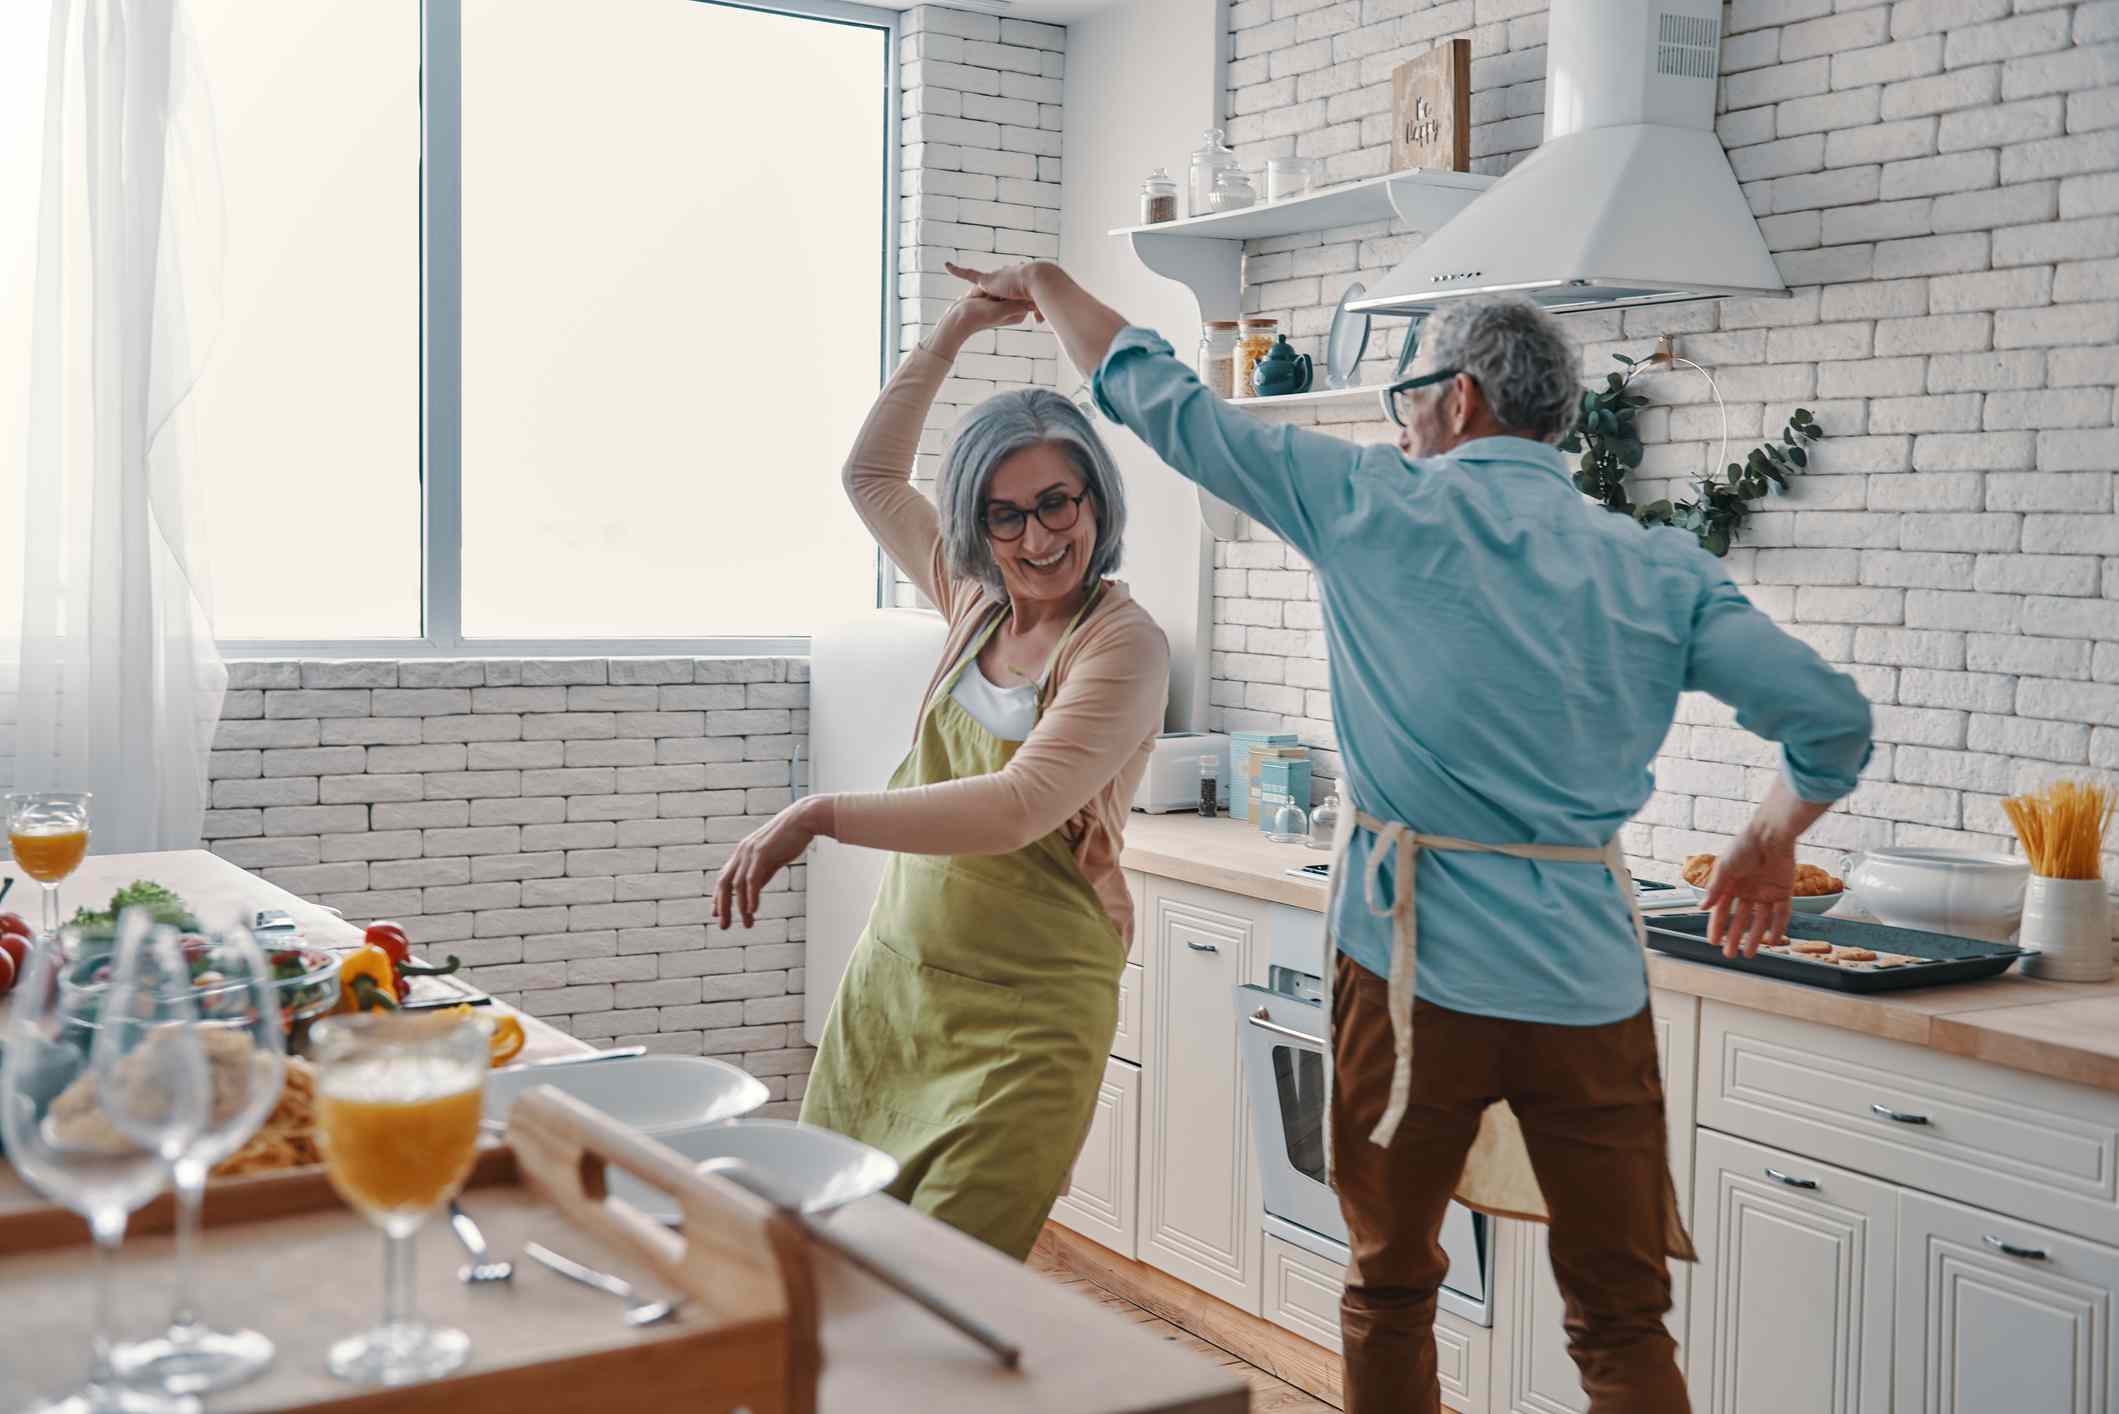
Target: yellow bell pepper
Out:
[507,1039]
[366,980]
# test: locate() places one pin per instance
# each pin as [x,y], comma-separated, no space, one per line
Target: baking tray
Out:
[284,1253]
[1944,958]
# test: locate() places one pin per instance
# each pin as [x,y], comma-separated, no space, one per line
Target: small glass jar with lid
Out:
[1208,161]
[1290,823]
[1158,198]
[1232,190]
[1254,340]
[1324,820]
[1217,357]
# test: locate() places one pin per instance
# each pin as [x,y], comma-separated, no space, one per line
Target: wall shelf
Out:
[1205,253]
[1315,395]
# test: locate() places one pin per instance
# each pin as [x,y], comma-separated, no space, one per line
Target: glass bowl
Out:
[308,980]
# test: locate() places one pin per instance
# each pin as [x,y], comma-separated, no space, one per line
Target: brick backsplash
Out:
[556,823]
[1939,180]
[979,185]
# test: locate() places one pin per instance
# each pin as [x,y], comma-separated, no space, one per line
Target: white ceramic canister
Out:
[2067,926]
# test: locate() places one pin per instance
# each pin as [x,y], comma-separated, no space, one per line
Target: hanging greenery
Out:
[1610,445]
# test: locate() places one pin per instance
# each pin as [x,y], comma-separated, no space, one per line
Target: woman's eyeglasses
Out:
[1055,510]
[1395,401]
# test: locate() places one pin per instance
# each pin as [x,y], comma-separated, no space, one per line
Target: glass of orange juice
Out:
[398,1100]
[48,832]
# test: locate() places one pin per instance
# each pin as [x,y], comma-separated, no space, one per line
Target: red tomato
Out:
[391,939]
[8,969]
[16,947]
[12,923]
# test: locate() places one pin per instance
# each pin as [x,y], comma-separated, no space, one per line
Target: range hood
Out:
[1629,200]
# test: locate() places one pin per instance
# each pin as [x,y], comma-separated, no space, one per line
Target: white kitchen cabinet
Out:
[1102,1203]
[1200,1215]
[1137,888]
[1793,1298]
[1302,1293]
[1536,1373]
[1125,1043]
[1998,1315]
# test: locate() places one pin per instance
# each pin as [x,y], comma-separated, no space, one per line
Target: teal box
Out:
[1240,785]
[1280,781]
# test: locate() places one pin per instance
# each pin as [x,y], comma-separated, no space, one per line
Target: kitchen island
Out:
[880,1353]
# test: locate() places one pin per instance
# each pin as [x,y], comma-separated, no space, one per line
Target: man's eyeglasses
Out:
[1055,510]
[1394,398]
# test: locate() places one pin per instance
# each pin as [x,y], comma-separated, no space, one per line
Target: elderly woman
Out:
[972,1026]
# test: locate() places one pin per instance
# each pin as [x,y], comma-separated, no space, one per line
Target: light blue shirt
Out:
[1506,659]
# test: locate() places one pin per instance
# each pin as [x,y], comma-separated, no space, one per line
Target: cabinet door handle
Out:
[1201,947]
[1897,1116]
[1263,1020]
[2010,1249]
[1790,1179]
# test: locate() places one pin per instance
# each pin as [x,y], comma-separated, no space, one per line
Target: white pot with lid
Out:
[1956,891]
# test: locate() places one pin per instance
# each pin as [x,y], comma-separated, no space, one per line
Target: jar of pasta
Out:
[1217,356]
[1254,340]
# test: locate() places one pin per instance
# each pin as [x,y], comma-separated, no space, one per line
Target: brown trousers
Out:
[1590,1101]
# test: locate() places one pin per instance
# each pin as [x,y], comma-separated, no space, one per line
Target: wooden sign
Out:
[1431,103]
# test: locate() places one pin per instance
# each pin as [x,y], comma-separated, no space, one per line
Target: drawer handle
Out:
[1790,1179]
[1201,947]
[1898,1116]
[2010,1249]
[1263,1020]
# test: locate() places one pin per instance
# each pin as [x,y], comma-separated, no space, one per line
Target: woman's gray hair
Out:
[1520,357]
[996,430]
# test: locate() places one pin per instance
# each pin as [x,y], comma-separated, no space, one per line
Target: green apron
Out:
[970,1032]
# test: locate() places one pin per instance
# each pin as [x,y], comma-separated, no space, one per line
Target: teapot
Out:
[1282,370]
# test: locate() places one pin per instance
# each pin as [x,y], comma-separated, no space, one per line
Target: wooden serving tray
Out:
[283,1254]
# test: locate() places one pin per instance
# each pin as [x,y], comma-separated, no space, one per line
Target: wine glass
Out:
[232,986]
[68,1146]
[397,1107]
[48,832]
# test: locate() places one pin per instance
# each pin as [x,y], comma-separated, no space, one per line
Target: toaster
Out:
[1171,781]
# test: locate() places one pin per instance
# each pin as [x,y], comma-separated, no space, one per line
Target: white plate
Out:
[1816,903]
[1349,338]
[650,1093]
[815,1169]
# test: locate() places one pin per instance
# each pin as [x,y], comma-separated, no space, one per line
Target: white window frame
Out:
[441,367]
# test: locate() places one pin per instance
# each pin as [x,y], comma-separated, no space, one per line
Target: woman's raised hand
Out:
[975,310]
[1010,282]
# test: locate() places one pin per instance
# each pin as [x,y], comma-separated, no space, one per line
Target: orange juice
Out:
[48,855]
[398,1132]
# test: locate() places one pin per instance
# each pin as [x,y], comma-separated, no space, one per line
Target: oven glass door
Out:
[1283,1051]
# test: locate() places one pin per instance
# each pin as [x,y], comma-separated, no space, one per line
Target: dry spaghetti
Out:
[287,1138]
[2062,828]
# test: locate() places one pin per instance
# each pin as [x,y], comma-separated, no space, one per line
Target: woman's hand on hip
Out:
[1748,897]
[763,853]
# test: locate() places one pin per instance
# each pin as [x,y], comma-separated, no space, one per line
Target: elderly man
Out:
[1506,660]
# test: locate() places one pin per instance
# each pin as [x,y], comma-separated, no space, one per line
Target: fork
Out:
[639,1311]
[482,1269]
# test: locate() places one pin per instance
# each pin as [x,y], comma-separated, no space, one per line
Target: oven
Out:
[1282,1032]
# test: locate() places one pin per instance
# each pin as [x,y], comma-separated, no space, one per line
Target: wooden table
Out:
[881,1353]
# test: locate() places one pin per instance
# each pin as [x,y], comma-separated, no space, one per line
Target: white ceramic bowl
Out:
[816,1170]
[1941,890]
[1816,903]
[651,1093]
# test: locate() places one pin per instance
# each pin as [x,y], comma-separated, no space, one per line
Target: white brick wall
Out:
[979,185]
[1940,181]
[556,823]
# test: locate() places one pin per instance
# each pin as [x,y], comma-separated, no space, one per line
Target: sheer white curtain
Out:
[120,683]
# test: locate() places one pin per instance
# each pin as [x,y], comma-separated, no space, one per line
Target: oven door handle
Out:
[1263,1020]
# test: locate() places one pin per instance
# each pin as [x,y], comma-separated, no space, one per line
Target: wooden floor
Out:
[1268,1395]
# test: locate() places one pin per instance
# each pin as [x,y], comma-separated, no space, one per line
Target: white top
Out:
[1008,712]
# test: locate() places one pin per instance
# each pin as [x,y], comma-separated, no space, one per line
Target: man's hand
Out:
[974,313]
[1748,898]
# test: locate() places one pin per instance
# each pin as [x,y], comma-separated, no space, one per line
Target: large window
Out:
[545,322]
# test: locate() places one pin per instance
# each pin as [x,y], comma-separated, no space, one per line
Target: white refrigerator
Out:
[866,679]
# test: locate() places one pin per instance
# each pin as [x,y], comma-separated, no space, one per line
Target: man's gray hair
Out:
[1522,360]
[996,430]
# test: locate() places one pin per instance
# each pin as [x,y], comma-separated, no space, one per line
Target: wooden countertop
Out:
[2066,1030]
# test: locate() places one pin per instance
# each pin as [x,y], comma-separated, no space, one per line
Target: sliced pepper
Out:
[507,1039]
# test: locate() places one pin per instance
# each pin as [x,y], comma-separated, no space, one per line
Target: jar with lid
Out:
[1207,163]
[1254,340]
[1289,176]
[1324,820]
[1210,786]
[1158,198]
[1232,190]
[1291,823]
[1217,357]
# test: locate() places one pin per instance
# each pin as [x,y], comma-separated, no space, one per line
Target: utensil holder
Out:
[2067,925]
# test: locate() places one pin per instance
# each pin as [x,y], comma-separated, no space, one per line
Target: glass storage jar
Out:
[1324,820]
[1254,340]
[1207,163]
[1158,198]
[1232,190]
[1289,176]
[1217,357]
